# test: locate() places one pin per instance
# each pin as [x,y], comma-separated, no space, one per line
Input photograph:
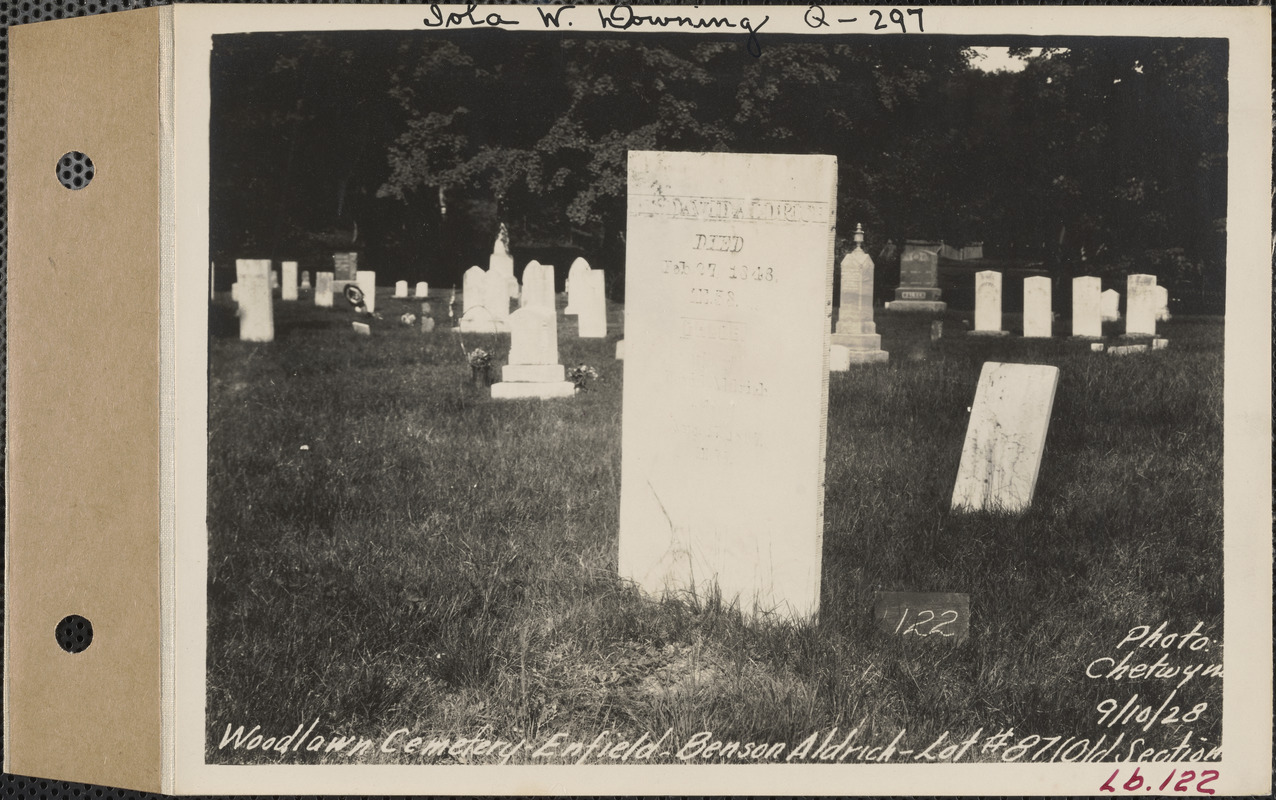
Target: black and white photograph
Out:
[696,386]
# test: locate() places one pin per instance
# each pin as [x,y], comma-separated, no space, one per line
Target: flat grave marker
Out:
[726,376]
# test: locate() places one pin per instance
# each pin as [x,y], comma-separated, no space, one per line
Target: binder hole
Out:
[75,170]
[74,634]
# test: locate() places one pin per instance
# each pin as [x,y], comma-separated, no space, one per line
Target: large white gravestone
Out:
[1037,314]
[288,290]
[855,339]
[728,290]
[1162,298]
[400,288]
[323,289]
[367,280]
[1140,305]
[473,289]
[578,267]
[422,289]
[591,308]
[500,262]
[256,310]
[988,303]
[1087,320]
[1005,438]
[538,286]
[533,369]
[1110,305]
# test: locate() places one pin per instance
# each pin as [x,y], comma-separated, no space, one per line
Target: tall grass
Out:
[389,548]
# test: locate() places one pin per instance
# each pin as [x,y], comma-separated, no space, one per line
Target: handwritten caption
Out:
[622,17]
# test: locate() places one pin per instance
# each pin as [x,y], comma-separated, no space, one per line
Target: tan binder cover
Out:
[83,385]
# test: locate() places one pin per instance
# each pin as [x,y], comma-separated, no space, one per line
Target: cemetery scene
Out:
[653,416]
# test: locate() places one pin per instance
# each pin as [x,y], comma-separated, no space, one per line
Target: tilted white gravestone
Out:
[367,280]
[1140,305]
[323,289]
[1005,437]
[288,290]
[988,303]
[1087,321]
[578,267]
[728,293]
[533,369]
[252,289]
[591,309]
[1037,313]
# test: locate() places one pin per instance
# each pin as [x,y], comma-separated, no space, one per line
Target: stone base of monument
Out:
[532,373]
[987,333]
[928,306]
[510,390]
[842,357]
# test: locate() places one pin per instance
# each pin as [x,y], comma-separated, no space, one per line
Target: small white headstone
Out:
[1140,305]
[256,310]
[1086,318]
[1162,299]
[1005,438]
[1037,316]
[323,289]
[362,328]
[486,302]
[988,302]
[288,290]
[1110,305]
[274,279]
[367,280]
[578,267]
[726,380]
[591,309]
[538,285]
[400,288]
[422,289]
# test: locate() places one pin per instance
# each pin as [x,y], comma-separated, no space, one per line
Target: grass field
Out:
[390,549]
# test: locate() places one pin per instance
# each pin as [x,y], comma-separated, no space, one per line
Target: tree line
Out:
[1102,155]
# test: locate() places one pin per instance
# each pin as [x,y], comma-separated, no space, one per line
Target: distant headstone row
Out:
[1146,304]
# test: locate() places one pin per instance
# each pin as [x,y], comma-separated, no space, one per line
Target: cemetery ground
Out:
[391,549]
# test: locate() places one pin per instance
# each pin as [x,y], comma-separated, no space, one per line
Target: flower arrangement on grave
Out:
[581,376]
[480,367]
[408,319]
